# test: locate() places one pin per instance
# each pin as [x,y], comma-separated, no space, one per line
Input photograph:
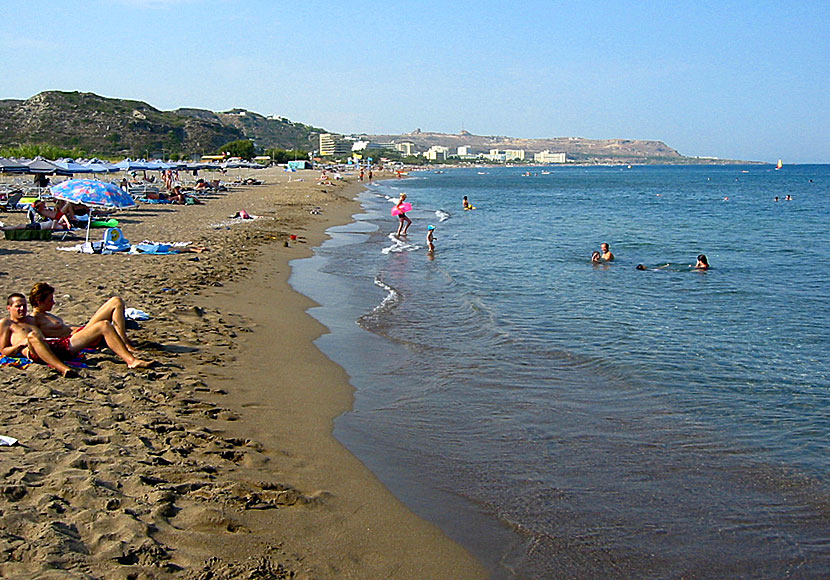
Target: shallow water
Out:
[568,420]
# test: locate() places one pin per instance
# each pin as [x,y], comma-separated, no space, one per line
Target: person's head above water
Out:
[641,267]
[595,256]
[702,262]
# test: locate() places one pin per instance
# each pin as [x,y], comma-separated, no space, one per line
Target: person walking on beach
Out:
[20,336]
[403,221]
[606,253]
[430,239]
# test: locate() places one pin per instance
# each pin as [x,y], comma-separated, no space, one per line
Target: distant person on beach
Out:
[371,175]
[702,262]
[431,239]
[606,253]
[403,221]
[20,336]
[111,314]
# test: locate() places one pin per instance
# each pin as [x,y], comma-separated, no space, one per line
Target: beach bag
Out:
[114,240]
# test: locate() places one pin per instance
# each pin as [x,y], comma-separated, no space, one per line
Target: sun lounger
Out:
[20,235]
[11,202]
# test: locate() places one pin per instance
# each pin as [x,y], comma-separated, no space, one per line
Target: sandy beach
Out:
[218,462]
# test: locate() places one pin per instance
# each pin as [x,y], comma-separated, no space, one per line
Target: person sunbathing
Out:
[20,336]
[39,209]
[59,225]
[42,299]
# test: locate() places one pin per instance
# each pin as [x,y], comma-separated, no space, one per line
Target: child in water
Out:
[430,239]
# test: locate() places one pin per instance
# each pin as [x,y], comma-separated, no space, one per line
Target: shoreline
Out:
[222,459]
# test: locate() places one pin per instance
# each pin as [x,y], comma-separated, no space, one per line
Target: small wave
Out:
[442,215]
[389,302]
[399,245]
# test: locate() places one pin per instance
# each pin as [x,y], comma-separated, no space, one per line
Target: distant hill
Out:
[577,148]
[120,127]
[125,128]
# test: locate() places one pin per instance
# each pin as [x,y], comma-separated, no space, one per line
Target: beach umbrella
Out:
[40,166]
[11,166]
[70,166]
[96,167]
[93,193]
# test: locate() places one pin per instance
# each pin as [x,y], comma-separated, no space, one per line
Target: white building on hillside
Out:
[437,152]
[548,157]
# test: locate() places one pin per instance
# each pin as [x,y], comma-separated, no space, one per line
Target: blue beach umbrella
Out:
[92,192]
[71,166]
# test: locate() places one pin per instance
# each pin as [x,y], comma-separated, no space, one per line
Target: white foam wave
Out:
[442,215]
[399,245]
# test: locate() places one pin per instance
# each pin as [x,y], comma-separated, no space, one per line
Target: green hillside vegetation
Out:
[115,128]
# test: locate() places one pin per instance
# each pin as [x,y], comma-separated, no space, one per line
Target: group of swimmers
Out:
[45,338]
[605,255]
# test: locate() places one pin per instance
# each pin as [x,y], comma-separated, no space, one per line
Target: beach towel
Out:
[20,362]
[151,201]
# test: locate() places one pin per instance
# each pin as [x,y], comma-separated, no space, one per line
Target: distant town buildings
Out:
[338,145]
[549,157]
[331,145]
[437,152]
[406,148]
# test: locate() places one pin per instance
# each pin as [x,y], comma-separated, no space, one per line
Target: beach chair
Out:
[10,203]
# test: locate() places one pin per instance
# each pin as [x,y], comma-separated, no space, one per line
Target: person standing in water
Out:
[430,239]
[403,221]
[605,253]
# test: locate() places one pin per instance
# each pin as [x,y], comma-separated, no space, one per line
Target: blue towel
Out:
[20,362]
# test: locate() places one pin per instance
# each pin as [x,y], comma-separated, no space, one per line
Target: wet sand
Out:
[219,462]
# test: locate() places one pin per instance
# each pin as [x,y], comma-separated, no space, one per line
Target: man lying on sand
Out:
[107,324]
[19,336]
[42,299]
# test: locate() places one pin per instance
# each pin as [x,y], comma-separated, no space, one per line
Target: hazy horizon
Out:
[745,80]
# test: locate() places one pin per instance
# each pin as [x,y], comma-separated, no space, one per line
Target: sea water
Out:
[568,420]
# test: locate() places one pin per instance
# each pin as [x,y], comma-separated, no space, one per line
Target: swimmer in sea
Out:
[596,258]
[702,262]
[465,203]
[606,253]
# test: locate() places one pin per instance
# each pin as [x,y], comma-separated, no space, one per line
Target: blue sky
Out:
[741,80]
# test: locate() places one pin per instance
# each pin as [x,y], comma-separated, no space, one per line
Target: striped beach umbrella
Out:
[92,192]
